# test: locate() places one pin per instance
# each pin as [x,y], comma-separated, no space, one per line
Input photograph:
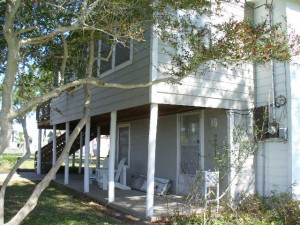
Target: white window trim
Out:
[113,67]
[129,143]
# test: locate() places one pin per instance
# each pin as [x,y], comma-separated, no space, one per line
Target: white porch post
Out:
[73,159]
[112,152]
[67,156]
[54,148]
[86,156]
[230,127]
[80,152]
[151,159]
[39,154]
[98,147]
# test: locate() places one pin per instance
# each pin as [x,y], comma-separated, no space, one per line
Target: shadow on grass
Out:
[58,205]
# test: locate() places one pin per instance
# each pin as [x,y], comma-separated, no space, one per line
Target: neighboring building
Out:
[204,109]
[16,141]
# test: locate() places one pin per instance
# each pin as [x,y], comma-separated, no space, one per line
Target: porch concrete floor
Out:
[131,202]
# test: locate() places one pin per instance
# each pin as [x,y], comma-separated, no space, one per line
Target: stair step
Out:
[46,155]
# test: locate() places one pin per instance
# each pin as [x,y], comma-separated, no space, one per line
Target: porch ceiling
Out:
[135,113]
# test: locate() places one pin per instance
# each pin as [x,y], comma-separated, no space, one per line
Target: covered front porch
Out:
[127,201]
[159,142]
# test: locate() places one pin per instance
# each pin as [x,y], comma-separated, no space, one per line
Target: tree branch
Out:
[12,58]
[108,55]
[65,58]
[92,81]
[33,199]
[50,36]
[25,30]
[14,169]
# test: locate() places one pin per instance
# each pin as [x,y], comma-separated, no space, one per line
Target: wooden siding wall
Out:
[274,157]
[278,161]
[264,74]
[70,104]
[166,148]
[222,88]
[214,135]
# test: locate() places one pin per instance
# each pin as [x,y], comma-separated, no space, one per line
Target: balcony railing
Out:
[43,112]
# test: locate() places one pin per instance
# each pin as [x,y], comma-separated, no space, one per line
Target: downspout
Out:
[264,169]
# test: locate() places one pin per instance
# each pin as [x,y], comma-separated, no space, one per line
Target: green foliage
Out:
[205,45]
[31,83]
[276,209]
[7,161]
[283,207]
[228,158]
[243,41]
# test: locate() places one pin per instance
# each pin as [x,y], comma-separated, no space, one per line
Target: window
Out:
[119,56]
[123,144]
[104,53]
[190,144]
[122,54]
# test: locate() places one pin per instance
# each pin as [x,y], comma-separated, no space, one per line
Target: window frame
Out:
[129,144]
[114,68]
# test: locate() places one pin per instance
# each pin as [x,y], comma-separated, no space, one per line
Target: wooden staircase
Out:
[46,156]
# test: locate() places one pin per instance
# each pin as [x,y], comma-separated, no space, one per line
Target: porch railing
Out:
[43,112]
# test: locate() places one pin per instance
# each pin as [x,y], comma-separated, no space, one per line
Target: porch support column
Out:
[112,152]
[230,128]
[98,148]
[86,156]
[151,159]
[67,156]
[54,148]
[73,160]
[80,152]
[39,153]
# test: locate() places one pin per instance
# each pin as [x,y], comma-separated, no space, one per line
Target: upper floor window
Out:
[118,56]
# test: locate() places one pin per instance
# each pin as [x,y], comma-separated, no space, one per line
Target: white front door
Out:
[189,153]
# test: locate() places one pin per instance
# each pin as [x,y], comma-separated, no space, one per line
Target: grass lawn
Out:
[60,205]
[8,161]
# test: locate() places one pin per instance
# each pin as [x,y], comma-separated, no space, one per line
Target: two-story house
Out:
[169,130]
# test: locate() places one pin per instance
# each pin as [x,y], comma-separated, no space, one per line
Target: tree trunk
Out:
[33,199]
[10,73]
[14,169]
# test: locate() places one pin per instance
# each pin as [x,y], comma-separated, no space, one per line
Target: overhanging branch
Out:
[88,81]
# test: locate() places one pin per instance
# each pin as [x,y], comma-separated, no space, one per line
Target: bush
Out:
[283,207]
[276,209]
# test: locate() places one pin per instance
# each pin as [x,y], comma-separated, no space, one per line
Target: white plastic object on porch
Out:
[92,175]
[120,181]
[211,180]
